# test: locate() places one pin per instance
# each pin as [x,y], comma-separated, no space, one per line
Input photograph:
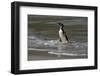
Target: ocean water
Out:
[72,48]
[43,35]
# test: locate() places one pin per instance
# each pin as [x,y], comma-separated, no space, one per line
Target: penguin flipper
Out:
[66,37]
[60,39]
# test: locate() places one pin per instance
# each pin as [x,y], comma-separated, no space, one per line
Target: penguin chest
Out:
[62,36]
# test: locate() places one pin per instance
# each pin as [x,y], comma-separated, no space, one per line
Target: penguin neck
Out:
[61,28]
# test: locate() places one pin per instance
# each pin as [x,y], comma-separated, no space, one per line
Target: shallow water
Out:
[72,48]
[43,36]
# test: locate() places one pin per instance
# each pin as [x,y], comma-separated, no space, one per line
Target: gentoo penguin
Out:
[62,34]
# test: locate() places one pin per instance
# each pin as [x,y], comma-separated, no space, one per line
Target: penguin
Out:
[62,34]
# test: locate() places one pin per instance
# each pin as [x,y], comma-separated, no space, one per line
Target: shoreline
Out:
[44,55]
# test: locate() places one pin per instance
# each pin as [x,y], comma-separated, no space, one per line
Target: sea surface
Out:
[43,36]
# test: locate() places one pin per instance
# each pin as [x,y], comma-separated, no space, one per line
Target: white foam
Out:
[68,54]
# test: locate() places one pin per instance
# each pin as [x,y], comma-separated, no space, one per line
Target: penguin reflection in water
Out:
[62,34]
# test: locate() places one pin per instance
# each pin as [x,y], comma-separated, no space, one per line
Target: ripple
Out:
[55,47]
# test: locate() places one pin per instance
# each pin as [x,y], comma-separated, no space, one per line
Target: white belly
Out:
[62,37]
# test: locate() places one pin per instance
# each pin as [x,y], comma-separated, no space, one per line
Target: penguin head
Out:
[61,25]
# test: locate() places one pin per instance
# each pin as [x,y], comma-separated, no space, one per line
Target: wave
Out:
[68,54]
[53,46]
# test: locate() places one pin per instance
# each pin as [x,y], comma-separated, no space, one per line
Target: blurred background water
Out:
[43,35]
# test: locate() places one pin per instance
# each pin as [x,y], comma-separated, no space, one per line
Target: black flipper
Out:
[60,39]
[66,37]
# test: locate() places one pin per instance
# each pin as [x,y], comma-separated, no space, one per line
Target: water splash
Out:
[72,48]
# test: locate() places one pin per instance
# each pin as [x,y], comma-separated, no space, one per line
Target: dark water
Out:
[43,35]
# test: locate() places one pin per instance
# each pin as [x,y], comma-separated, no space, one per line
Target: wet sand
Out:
[44,55]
